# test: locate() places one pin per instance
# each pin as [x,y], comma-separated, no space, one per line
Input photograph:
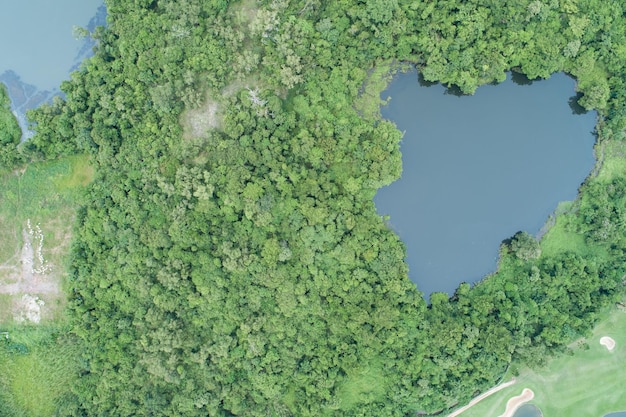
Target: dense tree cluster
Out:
[10,134]
[244,271]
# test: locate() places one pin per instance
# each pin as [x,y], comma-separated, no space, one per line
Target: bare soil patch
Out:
[197,122]
[30,280]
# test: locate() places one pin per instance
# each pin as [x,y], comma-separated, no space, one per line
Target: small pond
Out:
[618,414]
[528,410]
[39,48]
[477,169]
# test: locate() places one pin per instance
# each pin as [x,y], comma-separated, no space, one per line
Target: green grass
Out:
[562,237]
[43,192]
[361,385]
[585,384]
[614,162]
[37,365]
[46,194]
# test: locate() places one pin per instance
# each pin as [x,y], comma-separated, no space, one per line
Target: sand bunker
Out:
[608,342]
[515,402]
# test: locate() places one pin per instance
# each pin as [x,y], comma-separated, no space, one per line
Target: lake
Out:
[528,410]
[38,48]
[477,169]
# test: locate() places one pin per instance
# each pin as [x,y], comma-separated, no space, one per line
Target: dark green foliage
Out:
[10,134]
[603,211]
[525,246]
[244,270]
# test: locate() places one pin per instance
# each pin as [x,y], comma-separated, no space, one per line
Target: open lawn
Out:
[38,364]
[364,382]
[585,384]
[37,211]
[613,156]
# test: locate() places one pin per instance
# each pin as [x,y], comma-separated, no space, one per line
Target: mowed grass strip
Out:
[585,384]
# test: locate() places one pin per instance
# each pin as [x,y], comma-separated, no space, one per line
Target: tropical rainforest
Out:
[228,258]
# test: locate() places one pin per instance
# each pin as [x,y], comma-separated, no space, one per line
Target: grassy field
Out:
[362,383]
[613,154]
[38,361]
[37,211]
[38,364]
[585,384]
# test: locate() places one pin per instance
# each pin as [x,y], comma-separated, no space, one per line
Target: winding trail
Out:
[482,397]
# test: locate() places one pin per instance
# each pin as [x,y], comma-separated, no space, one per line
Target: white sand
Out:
[607,341]
[515,402]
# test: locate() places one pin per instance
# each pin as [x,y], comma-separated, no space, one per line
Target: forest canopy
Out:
[228,259]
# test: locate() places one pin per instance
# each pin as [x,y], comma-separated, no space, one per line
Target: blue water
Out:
[477,169]
[528,410]
[38,48]
[618,414]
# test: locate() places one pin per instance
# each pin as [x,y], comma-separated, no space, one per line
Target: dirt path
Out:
[482,397]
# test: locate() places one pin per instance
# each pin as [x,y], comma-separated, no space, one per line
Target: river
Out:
[477,169]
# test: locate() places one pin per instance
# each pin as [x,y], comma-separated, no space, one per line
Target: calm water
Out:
[618,414]
[38,48]
[528,410]
[477,169]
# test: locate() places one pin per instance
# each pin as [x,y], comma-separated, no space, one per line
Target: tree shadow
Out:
[422,82]
[454,90]
[573,104]
[521,79]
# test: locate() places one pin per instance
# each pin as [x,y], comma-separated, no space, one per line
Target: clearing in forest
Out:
[37,211]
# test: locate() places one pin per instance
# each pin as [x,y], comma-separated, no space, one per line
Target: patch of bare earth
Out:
[31,282]
[197,122]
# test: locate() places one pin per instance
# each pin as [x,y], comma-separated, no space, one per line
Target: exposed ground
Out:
[31,281]
[197,122]
[37,210]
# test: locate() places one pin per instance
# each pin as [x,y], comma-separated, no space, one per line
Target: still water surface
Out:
[528,410]
[38,48]
[477,169]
